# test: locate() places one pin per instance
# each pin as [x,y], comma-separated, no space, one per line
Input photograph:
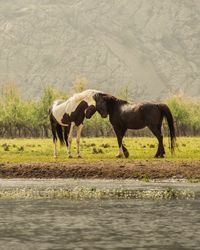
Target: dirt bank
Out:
[115,169]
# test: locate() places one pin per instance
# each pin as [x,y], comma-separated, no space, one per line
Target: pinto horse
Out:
[124,115]
[65,115]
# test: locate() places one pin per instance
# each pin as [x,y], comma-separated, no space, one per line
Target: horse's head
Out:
[101,105]
[89,112]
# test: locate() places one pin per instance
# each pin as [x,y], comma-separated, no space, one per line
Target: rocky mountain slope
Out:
[150,46]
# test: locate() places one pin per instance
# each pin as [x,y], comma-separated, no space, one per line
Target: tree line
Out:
[21,117]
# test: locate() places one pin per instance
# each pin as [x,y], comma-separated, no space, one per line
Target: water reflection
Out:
[99,224]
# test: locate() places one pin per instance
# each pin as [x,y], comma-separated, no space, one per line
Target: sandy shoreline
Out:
[98,188]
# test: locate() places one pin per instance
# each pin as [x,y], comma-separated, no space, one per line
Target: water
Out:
[99,224]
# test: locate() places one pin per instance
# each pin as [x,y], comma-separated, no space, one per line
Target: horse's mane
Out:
[83,95]
[114,99]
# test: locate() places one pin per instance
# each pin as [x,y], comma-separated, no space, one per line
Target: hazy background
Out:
[150,46]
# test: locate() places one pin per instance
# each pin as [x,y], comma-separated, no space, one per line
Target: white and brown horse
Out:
[124,115]
[65,115]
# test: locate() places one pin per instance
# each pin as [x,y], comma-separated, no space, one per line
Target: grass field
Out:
[41,150]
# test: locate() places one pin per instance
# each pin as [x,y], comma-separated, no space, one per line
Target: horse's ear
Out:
[89,112]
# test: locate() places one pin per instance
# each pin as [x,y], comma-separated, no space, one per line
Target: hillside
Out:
[151,46]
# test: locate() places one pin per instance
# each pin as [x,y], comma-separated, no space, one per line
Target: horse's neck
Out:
[71,104]
[114,104]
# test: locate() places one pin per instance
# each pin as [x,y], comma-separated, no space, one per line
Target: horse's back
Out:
[57,111]
[131,116]
[151,112]
[137,116]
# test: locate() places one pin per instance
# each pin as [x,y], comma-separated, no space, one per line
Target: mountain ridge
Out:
[152,47]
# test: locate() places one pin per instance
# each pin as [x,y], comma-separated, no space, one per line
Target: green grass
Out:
[41,150]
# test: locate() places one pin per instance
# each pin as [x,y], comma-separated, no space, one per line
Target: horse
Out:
[124,115]
[65,115]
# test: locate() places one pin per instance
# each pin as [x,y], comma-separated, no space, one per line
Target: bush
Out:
[186,112]
[28,118]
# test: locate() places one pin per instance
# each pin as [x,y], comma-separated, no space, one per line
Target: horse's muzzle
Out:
[104,115]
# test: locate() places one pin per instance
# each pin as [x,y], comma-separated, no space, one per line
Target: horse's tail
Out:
[56,129]
[170,121]
[59,132]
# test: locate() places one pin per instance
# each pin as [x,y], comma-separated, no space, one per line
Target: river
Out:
[99,224]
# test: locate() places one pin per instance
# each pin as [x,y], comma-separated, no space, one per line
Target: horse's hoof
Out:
[125,151]
[70,156]
[118,156]
[159,156]
[126,154]
[79,156]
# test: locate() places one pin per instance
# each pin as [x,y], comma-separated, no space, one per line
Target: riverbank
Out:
[105,169]
[138,179]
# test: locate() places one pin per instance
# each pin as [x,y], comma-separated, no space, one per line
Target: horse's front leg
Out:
[120,132]
[78,136]
[69,140]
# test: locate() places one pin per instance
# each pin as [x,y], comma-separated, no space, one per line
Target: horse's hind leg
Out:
[156,130]
[53,129]
[78,136]
[162,149]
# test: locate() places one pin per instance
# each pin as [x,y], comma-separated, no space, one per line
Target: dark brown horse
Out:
[124,115]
